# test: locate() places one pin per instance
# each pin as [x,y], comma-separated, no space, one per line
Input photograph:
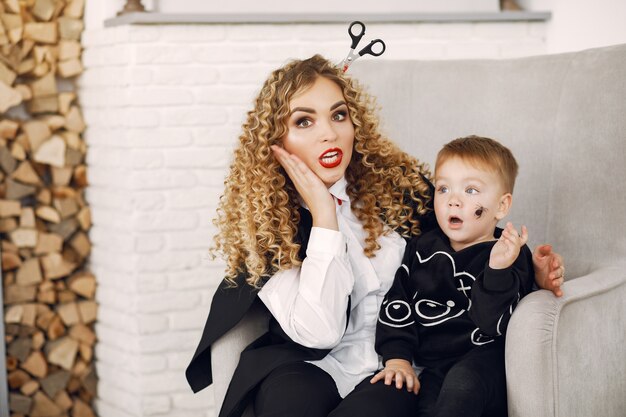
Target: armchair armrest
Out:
[566,356]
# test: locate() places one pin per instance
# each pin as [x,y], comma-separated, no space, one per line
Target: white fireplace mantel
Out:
[149,18]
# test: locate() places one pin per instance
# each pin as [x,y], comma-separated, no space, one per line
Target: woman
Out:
[312,224]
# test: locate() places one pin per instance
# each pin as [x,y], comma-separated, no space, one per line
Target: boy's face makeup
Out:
[320,131]
[469,202]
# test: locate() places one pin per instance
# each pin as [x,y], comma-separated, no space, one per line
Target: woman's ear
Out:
[504,206]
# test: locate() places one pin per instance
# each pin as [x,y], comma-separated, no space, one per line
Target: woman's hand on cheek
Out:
[310,187]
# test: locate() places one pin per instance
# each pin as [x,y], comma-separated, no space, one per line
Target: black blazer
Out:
[271,350]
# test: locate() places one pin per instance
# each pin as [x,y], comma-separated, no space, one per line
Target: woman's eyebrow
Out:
[310,110]
[337,104]
[304,109]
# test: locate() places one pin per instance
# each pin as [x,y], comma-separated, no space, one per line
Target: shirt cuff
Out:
[327,241]
[396,351]
[498,280]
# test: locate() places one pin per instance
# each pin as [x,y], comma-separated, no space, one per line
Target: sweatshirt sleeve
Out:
[496,293]
[310,302]
[396,330]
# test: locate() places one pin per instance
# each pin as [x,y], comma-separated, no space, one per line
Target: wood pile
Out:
[49,306]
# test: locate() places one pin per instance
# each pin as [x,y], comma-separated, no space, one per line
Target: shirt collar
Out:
[338,189]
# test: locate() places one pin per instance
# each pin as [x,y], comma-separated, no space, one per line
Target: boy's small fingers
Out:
[511,238]
[399,380]
[376,378]
[388,378]
[524,235]
[409,383]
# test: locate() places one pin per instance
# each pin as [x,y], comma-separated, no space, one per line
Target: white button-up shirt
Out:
[310,302]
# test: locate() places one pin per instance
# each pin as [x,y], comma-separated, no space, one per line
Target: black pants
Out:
[304,390]
[474,385]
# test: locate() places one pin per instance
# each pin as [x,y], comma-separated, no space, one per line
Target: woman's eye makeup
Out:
[304,122]
[337,116]
[340,115]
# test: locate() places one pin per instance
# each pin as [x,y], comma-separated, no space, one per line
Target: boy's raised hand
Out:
[401,371]
[506,249]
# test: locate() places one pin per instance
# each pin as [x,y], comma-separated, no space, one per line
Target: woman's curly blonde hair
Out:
[258,217]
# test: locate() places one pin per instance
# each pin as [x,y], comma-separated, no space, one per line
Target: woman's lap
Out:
[304,390]
[377,400]
[296,390]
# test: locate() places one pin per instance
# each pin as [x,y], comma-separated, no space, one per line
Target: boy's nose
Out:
[454,202]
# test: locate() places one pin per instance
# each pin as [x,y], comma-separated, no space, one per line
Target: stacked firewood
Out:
[49,307]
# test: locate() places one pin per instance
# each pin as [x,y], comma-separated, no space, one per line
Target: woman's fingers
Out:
[557,269]
[288,163]
[300,174]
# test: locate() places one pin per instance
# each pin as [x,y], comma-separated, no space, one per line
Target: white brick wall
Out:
[163,106]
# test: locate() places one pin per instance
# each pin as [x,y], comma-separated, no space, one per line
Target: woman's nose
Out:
[328,133]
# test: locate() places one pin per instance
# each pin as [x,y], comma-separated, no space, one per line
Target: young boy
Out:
[456,289]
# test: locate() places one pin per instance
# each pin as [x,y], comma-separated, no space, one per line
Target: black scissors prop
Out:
[356,38]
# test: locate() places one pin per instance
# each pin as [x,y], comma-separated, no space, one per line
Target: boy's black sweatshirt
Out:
[444,303]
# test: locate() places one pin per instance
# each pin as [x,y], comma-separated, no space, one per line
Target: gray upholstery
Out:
[564,117]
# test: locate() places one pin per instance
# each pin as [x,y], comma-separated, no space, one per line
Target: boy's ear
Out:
[505,205]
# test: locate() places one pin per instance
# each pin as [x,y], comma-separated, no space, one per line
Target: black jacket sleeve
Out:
[229,305]
[396,330]
[496,292]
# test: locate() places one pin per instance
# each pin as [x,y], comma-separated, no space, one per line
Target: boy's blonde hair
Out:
[484,152]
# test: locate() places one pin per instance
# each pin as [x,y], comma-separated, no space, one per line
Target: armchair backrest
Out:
[564,118]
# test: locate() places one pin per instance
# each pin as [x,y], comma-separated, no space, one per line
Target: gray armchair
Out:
[564,118]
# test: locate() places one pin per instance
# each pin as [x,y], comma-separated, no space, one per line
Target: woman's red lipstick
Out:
[331,158]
